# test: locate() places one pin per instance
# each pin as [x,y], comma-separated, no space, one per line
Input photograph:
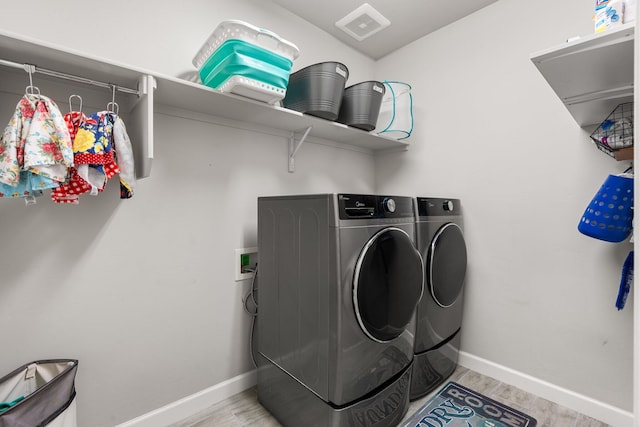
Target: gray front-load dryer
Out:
[441,243]
[339,278]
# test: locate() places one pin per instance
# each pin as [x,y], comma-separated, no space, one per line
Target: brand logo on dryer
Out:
[359,204]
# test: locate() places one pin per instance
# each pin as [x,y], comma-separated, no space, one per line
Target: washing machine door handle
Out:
[387,284]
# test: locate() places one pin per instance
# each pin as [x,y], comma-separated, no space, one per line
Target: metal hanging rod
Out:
[29,68]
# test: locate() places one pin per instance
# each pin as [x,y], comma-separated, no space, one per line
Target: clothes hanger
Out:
[79,110]
[113,106]
[31,89]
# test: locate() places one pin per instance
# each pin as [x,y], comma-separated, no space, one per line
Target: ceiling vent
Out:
[363,22]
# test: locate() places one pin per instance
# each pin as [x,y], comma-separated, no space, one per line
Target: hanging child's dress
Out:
[63,193]
[35,148]
[101,149]
[124,157]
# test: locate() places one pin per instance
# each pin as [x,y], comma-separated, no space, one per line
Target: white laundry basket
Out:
[40,393]
[396,111]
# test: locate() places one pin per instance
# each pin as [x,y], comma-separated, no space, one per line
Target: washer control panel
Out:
[435,206]
[359,206]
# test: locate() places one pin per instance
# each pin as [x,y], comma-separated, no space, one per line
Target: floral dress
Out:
[35,148]
[101,149]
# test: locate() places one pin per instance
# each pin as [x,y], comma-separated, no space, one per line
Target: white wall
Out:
[490,131]
[142,291]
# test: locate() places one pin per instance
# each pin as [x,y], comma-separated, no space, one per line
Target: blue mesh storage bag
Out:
[609,215]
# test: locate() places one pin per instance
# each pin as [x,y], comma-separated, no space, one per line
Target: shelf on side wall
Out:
[593,74]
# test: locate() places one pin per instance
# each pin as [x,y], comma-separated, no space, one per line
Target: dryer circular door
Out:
[447,264]
[387,284]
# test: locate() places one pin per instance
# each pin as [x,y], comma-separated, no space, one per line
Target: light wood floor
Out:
[243,409]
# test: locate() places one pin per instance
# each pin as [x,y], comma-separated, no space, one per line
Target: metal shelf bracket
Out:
[293,148]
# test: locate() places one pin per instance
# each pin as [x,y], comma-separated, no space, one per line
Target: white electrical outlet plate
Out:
[253,253]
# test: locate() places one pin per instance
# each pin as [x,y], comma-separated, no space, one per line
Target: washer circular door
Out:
[447,264]
[387,284]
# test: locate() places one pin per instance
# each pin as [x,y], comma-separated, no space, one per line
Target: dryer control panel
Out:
[433,206]
[362,206]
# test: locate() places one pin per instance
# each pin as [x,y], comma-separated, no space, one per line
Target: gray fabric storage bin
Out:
[40,393]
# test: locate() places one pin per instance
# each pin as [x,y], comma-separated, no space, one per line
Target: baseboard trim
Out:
[190,405]
[201,400]
[593,408]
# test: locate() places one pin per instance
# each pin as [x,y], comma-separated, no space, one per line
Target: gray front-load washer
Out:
[441,243]
[339,278]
